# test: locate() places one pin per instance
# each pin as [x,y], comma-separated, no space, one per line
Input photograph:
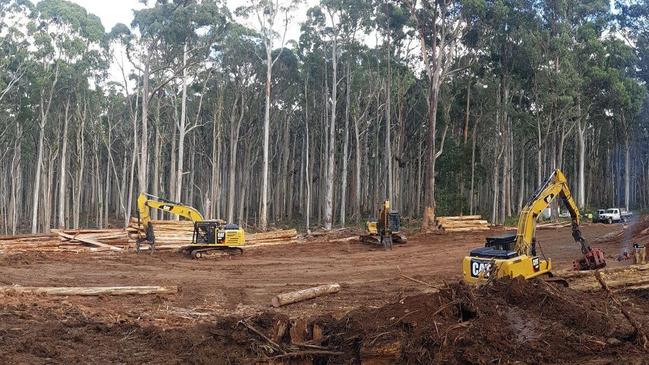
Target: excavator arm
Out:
[555,186]
[147,201]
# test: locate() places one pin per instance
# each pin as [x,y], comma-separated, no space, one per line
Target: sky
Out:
[112,12]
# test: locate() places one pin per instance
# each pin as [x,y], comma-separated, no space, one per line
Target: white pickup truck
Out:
[615,215]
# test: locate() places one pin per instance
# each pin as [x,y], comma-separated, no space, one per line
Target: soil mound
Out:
[508,321]
[504,322]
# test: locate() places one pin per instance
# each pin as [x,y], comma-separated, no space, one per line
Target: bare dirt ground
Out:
[180,328]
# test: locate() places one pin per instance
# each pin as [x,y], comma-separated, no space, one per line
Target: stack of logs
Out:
[170,235]
[465,223]
[176,234]
[85,240]
[553,225]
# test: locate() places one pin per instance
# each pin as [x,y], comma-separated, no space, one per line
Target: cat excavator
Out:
[386,230]
[516,254]
[209,235]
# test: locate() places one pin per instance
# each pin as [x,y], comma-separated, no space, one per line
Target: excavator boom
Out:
[146,201]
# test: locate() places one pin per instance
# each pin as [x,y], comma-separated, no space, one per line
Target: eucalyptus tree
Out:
[65,34]
[440,27]
[272,18]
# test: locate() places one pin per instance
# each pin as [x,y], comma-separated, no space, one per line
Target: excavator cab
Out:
[216,232]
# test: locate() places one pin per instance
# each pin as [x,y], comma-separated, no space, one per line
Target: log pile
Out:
[169,234]
[466,223]
[553,225]
[88,240]
[176,234]
[272,237]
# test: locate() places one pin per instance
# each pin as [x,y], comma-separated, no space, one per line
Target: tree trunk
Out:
[216,158]
[144,144]
[62,171]
[357,172]
[44,113]
[307,169]
[235,125]
[474,136]
[263,215]
[331,164]
[156,160]
[343,192]
[581,185]
[182,131]
[627,171]
[388,126]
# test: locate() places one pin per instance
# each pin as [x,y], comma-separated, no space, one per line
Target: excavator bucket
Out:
[592,260]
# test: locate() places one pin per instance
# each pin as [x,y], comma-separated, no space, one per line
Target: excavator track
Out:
[388,242]
[198,252]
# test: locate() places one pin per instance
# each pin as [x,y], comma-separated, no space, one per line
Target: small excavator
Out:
[516,254]
[386,230]
[209,235]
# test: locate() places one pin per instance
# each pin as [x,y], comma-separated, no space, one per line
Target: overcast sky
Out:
[112,12]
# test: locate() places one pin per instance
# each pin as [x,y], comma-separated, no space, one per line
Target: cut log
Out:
[467,229]
[460,218]
[465,222]
[639,331]
[264,244]
[305,294]
[88,241]
[90,291]
[272,235]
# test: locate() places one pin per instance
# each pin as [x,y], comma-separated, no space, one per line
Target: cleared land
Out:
[200,323]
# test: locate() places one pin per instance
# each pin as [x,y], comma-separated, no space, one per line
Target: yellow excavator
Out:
[209,235]
[386,230]
[516,254]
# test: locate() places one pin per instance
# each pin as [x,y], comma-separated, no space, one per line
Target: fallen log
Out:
[460,218]
[639,332]
[566,274]
[88,241]
[34,237]
[90,291]
[305,294]
[272,234]
[464,223]
[32,245]
[471,229]
[264,244]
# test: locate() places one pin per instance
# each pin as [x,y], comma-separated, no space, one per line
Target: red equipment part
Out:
[593,259]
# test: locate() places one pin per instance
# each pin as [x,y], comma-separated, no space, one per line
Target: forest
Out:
[443,107]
